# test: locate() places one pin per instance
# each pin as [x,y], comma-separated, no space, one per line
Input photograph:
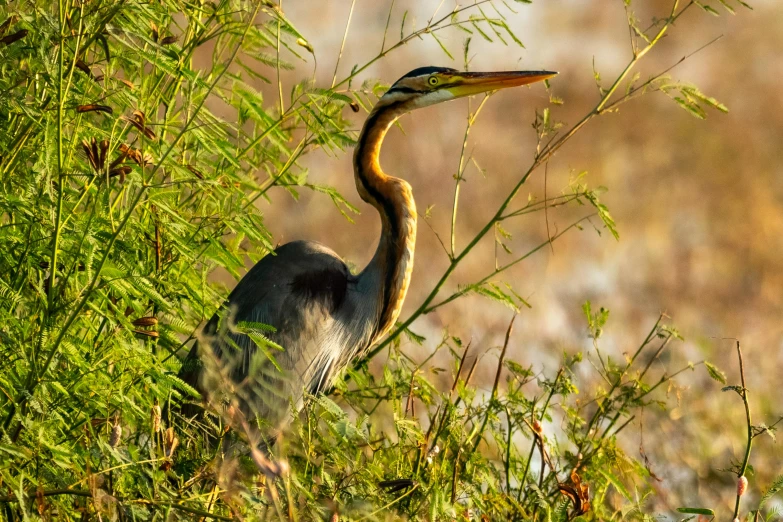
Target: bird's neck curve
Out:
[391,266]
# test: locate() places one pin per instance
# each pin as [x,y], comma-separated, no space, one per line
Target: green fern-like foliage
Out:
[136,140]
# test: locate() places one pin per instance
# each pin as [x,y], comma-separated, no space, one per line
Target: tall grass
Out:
[130,175]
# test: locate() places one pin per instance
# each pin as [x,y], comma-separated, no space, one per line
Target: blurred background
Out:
[697,205]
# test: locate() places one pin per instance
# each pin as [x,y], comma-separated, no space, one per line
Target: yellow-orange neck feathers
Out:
[393,198]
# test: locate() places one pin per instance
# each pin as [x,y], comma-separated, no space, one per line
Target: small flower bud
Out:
[537,426]
[304,43]
[742,486]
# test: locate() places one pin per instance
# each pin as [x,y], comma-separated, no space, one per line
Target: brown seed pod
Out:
[138,121]
[87,148]
[93,107]
[145,321]
[135,155]
[139,117]
[83,67]
[147,333]
[354,106]
[195,172]
[168,40]
[121,172]
[118,160]
[154,31]
[11,38]
[96,153]
[103,148]
[394,485]
[578,493]
[127,83]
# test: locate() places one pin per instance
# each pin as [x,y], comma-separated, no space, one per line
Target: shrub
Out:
[130,175]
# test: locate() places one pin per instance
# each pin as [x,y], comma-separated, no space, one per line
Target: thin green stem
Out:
[62,96]
[507,463]
[460,171]
[345,37]
[60,188]
[749,425]
[386,29]
[277,61]
[533,444]
[505,267]
[493,396]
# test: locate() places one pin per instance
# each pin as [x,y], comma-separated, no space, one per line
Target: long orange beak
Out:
[468,83]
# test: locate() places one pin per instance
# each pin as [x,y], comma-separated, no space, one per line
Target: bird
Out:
[310,316]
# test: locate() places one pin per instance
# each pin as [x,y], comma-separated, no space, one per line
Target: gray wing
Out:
[301,292]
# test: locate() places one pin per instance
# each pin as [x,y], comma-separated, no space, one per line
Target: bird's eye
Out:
[433,80]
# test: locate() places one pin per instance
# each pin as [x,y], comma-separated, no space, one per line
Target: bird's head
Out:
[430,85]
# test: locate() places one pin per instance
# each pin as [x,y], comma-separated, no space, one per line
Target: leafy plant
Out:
[130,174]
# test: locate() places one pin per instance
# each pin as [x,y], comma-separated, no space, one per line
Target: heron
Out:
[321,314]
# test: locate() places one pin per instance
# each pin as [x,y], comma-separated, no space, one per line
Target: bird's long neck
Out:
[388,274]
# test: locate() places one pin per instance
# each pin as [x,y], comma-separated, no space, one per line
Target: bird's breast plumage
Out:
[306,293]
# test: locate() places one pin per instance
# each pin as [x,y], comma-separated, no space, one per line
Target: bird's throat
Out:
[392,264]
